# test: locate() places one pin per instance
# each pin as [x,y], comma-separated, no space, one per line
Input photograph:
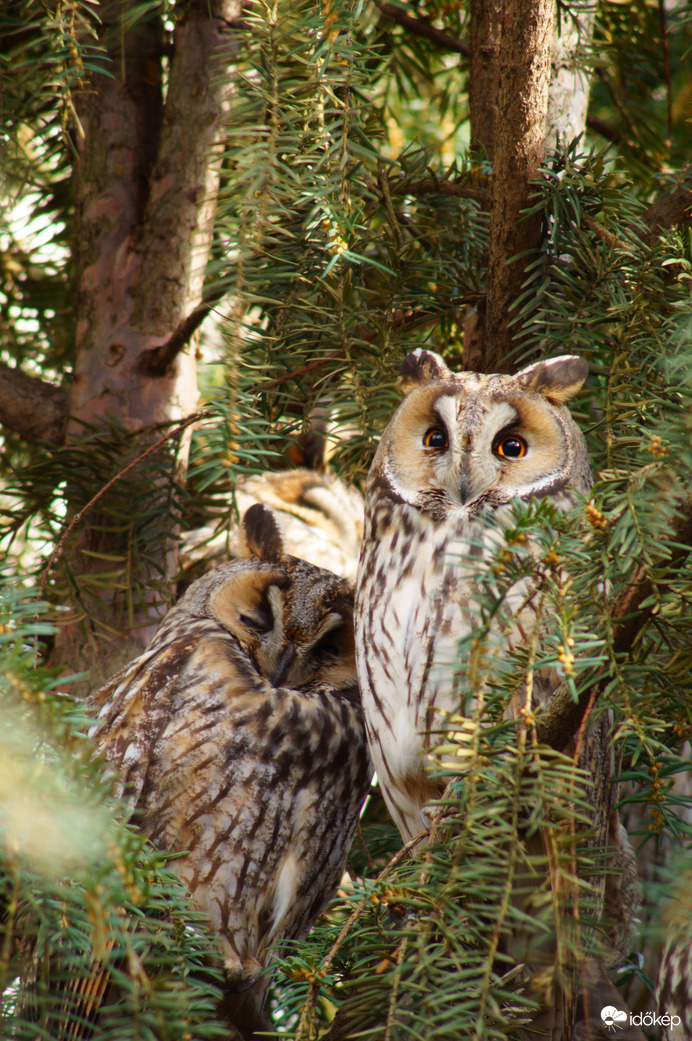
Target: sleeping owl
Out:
[238,737]
[458,451]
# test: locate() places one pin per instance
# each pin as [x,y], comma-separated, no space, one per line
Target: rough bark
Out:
[520,135]
[483,85]
[145,189]
[32,408]
[144,216]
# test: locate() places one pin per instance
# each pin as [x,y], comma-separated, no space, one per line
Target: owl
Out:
[460,448]
[674,984]
[320,516]
[238,736]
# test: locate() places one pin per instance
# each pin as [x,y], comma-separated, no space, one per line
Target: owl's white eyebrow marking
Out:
[275,638]
[502,414]
[448,408]
[332,621]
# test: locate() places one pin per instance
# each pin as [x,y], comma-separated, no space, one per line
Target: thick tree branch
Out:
[422,27]
[437,186]
[35,410]
[484,76]
[176,232]
[158,361]
[631,613]
[120,116]
[145,191]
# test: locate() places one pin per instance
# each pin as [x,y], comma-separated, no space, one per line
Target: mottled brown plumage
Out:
[459,452]
[438,495]
[674,983]
[238,736]
[320,516]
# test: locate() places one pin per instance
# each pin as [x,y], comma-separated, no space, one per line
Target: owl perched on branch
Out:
[459,450]
[238,737]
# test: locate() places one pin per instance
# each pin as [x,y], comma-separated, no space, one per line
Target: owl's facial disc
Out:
[251,607]
[454,444]
[469,444]
[288,647]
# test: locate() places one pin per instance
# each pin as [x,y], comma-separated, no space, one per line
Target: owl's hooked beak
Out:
[466,483]
[283,665]
[464,488]
[471,483]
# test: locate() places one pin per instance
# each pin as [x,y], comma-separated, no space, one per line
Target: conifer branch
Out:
[439,186]
[608,239]
[340,1023]
[422,27]
[158,361]
[181,202]
[414,319]
[633,610]
[107,487]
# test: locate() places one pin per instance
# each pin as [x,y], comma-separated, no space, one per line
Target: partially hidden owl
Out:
[238,737]
[460,448]
[320,516]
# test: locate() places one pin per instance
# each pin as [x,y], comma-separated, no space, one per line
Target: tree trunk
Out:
[483,84]
[145,189]
[520,135]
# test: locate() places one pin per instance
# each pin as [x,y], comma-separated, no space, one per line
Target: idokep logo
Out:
[613,1018]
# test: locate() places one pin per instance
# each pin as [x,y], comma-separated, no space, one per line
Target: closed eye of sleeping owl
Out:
[238,736]
[458,451]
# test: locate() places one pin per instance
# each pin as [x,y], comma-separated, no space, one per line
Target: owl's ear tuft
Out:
[557,379]
[263,537]
[420,367]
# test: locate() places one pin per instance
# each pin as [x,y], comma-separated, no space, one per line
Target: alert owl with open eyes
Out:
[458,451]
[238,736]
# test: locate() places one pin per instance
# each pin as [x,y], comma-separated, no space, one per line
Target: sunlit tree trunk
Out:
[525,64]
[146,180]
[519,150]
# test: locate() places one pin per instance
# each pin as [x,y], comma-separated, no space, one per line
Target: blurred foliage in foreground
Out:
[94,928]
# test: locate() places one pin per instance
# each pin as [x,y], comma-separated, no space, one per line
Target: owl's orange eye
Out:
[435,438]
[511,447]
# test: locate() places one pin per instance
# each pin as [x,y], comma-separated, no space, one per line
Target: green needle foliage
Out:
[328,280]
[96,931]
